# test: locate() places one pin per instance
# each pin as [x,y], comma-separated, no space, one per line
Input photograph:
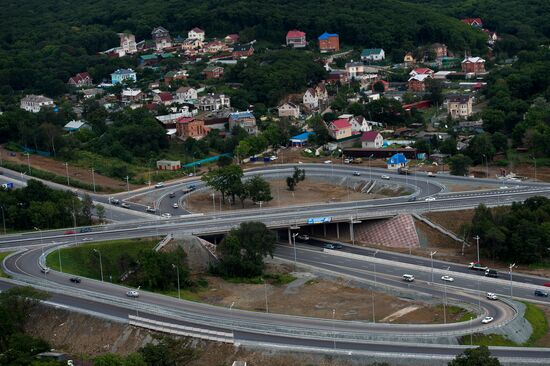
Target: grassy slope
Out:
[2,256]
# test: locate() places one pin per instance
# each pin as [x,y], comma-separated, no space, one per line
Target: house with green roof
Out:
[373,54]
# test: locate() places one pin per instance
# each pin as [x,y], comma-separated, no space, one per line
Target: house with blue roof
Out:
[301,139]
[121,75]
[245,120]
[329,42]
[373,54]
[397,161]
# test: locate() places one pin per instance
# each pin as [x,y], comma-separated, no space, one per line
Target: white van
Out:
[408,278]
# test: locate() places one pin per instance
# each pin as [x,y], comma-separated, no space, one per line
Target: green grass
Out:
[488,340]
[2,256]
[82,261]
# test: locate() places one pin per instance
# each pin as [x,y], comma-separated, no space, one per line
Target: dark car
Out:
[172,195]
[412,199]
[75,279]
[85,230]
[333,246]
[192,187]
[541,293]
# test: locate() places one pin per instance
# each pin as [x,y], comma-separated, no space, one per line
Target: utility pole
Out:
[178,274]
[374,288]
[28,162]
[3,218]
[477,241]
[294,240]
[127,184]
[512,266]
[100,263]
[67,171]
[93,179]
[432,260]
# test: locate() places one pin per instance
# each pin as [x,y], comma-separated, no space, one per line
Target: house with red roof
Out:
[190,127]
[474,22]
[339,129]
[372,140]
[231,38]
[422,71]
[296,38]
[165,98]
[80,80]
[474,65]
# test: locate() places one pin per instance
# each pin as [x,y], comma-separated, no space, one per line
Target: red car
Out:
[546,284]
[69,232]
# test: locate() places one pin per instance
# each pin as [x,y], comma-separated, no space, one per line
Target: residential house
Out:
[355,69]
[80,80]
[131,96]
[190,127]
[91,93]
[242,51]
[439,49]
[359,124]
[397,161]
[148,60]
[417,83]
[372,140]
[329,42]
[422,71]
[34,103]
[122,75]
[315,97]
[165,98]
[474,65]
[196,33]
[373,54]
[231,38]
[474,22]
[162,38]
[301,139]
[337,76]
[171,76]
[168,121]
[215,47]
[296,38]
[460,106]
[492,37]
[245,120]
[289,110]
[213,72]
[127,43]
[213,102]
[192,44]
[409,59]
[74,126]
[186,93]
[339,129]
[168,165]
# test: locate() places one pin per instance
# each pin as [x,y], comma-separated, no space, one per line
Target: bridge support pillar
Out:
[338,230]
[289,237]
[351,233]
[325,230]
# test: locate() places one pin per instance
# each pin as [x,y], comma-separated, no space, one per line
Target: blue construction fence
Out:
[33,151]
[199,163]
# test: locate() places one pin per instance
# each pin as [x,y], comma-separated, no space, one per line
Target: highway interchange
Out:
[249,327]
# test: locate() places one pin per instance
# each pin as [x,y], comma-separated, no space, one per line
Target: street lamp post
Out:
[374,288]
[486,165]
[3,218]
[294,241]
[100,262]
[214,202]
[28,162]
[178,274]
[432,260]
[265,290]
[93,178]
[512,266]
[127,184]
[334,327]
[67,171]
[477,242]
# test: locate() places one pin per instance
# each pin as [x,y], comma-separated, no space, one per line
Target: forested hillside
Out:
[44,42]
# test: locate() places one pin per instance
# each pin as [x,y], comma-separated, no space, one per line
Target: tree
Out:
[500,141]
[298,176]
[480,356]
[448,146]
[100,212]
[493,119]
[459,164]
[480,148]
[258,189]
[224,160]
[243,149]
[379,87]
[435,91]
[226,180]
[243,250]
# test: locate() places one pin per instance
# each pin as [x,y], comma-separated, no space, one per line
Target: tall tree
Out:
[480,356]
[258,189]
[459,164]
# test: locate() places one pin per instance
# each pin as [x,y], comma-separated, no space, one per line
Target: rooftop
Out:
[325,36]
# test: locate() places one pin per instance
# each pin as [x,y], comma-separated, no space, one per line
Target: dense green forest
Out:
[43,43]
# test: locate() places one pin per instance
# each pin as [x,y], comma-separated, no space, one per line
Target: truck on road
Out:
[477,266]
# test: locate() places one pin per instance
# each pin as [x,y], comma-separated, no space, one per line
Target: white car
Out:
[273,157]
[175,205]
[503,187]
[487,319]
[166,215]
[132,293]
[492,296]
[327,161]
[447,278]
[356,174]
[159,185]
[387,177]
[429,199]
[45,270]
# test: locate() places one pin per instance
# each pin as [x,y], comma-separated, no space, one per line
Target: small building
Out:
[165,98]
[162,38]
[53,356]
[397,161]
[473,22]
[127,43]
[337,76]
[373,54]
[474,65]
[74,126]
[296,39]
[123,75]
[355,69]
[192,44]
[422,71]
[409,59]
[301,139]
[131,95]
[245,119]
[315,97]
[214,102]
[372,140]
[289,110]
[34,103]
[439,49]
[196,33]
[148,60]
[168,165]
[231,38]
[460,106]
[186,93]
[359,124]
[339,129]
[329,42]
[242,51]
[417,83]
[213,72]
[80,80]
[190,127]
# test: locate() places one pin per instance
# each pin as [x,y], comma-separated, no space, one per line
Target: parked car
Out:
[273,157]
[492,296]
[447,278]
[541,293]
[125,205]
[333,246]
[327,161]
[487,319]
[408,277]
[75,279]
[303,237]
[175,205]
[386,177]
[132,293]
[151,209]
[356,173]
[159,185]
[166,215]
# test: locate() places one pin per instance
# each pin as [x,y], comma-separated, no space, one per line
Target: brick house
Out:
[474,65]
[165,98]
[162,38]
[289,110]
[329,42]
[213,72]
[355,69]
[215,47]
[460,106]
[190,127]
[296,38]
[168,165]
[371,140]
[417,83]
[186,93]
[245,120]
[242,51]
[80,80]
[339,129]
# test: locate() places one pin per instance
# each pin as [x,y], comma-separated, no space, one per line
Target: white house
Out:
[186,93]
[355,69]
[314,97]
[34,103]
[359,124]
[196,33]
[372,140]
[289,110]
[373,54]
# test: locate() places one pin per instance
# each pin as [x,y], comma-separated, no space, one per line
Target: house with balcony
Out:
[296,39]
[245,120]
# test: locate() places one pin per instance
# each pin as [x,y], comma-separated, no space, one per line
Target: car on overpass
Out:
[75,279]
[356,174]
[487,319]
[541,293]
[429,199]
[45,270]
[477,266]
[447,278]
[175,205]
[386,177]
[492,296]
[333,246]
[408,277]
[159,185]
[132,293]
